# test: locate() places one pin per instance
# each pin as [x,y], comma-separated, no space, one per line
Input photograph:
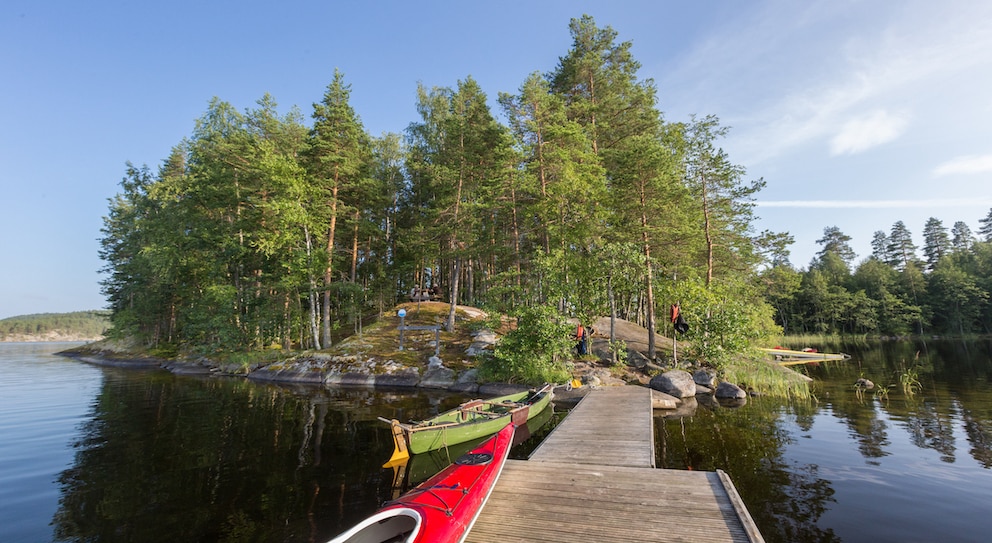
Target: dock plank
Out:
[612,426]
[593,480]
[567,502]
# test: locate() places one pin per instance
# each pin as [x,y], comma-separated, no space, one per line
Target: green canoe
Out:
[468,421]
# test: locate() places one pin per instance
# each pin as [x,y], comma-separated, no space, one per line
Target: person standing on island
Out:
[582,336]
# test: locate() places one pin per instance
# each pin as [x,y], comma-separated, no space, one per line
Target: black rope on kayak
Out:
[446,509]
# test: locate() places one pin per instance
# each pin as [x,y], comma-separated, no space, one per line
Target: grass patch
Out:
[754,372]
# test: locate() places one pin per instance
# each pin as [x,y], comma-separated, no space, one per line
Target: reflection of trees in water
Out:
[872,438]
[859,412]
[979,432]
[867,429]
[787,501]
[176,459]
[930,426]
[805,499]
[954,375]
[784,501]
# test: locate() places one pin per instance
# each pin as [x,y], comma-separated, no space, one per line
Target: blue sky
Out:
[855,113]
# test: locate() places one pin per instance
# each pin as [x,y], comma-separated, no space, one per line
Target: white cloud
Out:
[965,165]
[876,204]
[858,135]
[820,64]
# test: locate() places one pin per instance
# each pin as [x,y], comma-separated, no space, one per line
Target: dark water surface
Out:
[859,467]
[109,455]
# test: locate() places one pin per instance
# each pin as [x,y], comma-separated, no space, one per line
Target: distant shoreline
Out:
[48,337]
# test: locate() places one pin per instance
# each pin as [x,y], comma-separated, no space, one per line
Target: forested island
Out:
[260,230]
[75,326]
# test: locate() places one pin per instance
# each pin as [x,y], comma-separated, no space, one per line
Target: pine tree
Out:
[962,239]
[836,242]
[457,151]
[336,159]
[986,229]
[936,242]
[880,246]
[725,200]
[597,80]
[901,249]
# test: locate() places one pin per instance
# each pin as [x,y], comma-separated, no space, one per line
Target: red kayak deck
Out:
[443,508]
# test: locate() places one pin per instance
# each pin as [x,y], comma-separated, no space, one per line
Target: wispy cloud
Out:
[876,204]
[965,165]
[890,59]
[858,135]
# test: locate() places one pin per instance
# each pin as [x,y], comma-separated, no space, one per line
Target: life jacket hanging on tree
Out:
[678,321]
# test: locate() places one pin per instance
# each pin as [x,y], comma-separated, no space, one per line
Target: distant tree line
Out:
[894,291]
[87,324]
[260,230]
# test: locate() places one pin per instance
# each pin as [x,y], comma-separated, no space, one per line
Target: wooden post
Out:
[437,340]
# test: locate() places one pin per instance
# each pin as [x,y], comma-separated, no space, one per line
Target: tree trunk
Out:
[646,240]
[613,316]
[709,236]
[354,247]
[449,326]
[650,301]
[314,332]
[326,314]
[516,234]
[470,282]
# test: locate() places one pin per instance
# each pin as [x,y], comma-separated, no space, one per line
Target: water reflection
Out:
[183,459]
[186,459]
[796,465]
[748,443]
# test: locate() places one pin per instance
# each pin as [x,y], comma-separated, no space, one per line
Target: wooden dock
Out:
[593,479]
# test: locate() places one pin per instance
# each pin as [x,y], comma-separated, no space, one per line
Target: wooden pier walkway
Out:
[593,479]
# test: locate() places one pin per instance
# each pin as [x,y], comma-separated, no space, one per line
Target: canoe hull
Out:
[476,419]
[443,508]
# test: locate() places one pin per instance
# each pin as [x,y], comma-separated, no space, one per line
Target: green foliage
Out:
[891,293]
[534,352]
[909,379]
[618,349]
[258,230]
[724,320]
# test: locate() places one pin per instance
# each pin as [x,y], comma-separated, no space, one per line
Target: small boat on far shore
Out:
[789,357]
[443,508]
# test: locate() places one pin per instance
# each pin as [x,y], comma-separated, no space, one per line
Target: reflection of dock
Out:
[593,480]
[788,357]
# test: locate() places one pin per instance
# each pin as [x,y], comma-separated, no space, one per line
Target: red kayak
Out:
[443,508]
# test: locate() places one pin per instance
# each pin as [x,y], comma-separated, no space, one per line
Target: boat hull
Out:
[475,419]
[443,508]
[786,356]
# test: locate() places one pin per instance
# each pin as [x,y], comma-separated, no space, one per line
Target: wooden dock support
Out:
[592,480]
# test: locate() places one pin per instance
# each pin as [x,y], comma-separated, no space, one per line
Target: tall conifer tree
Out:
[336,160]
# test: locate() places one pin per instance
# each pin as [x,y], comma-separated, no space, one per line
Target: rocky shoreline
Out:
[337,368]
[676,390]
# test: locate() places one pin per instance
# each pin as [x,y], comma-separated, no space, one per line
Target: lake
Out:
[109,455]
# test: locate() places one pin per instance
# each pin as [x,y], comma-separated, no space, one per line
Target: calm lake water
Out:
[110,455]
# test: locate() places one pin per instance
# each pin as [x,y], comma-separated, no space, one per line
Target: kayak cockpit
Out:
[397,525]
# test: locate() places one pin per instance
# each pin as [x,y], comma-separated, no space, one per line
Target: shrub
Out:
[534,352]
